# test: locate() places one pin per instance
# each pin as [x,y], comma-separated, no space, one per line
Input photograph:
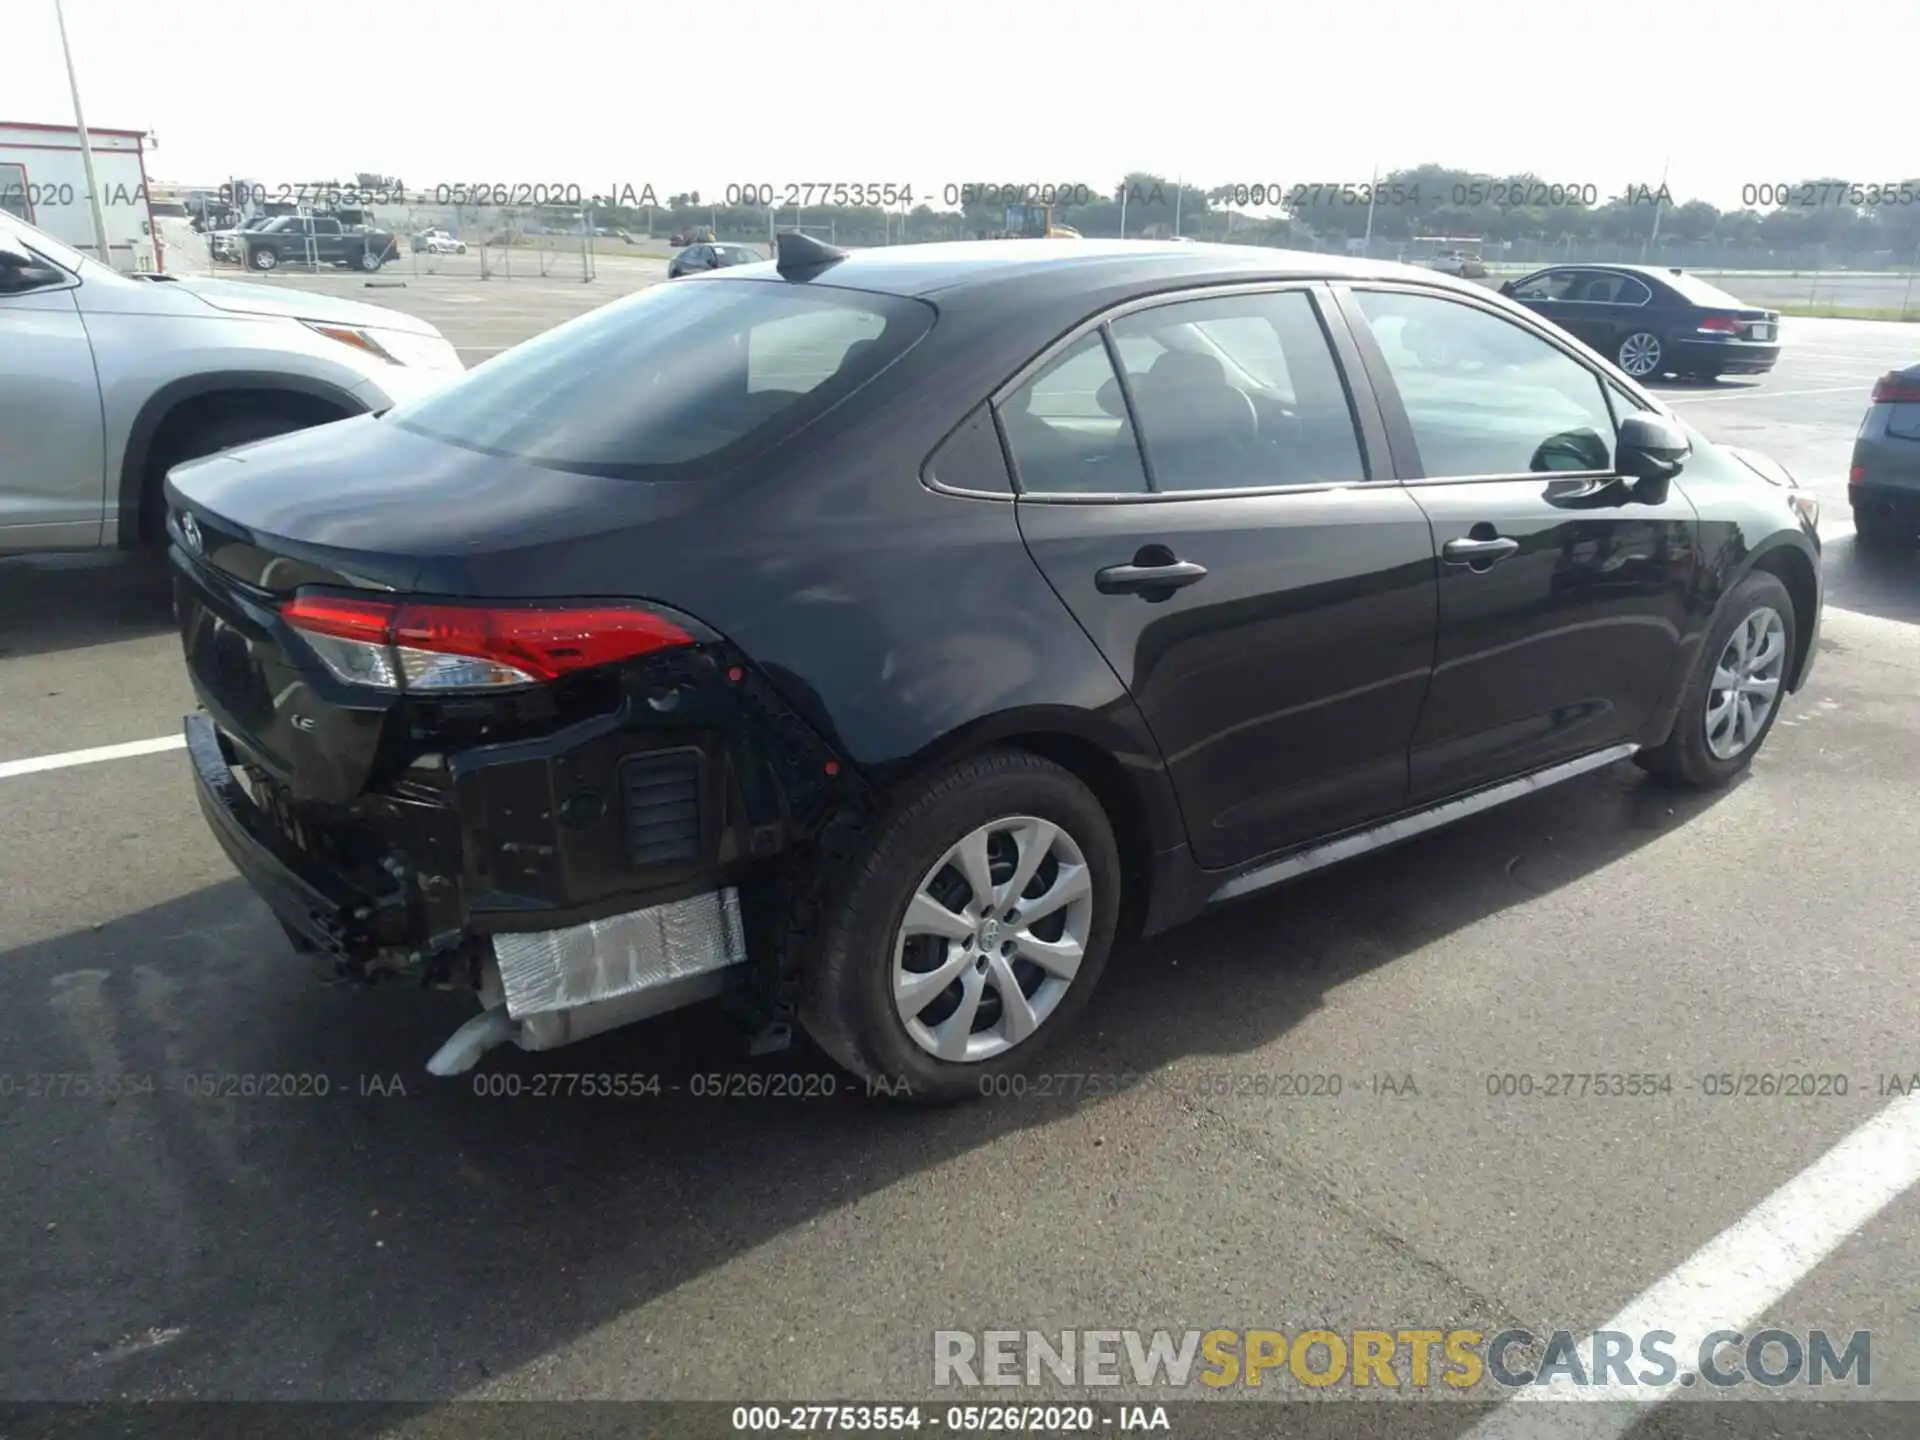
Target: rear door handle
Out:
[1478,552]
[1144,579]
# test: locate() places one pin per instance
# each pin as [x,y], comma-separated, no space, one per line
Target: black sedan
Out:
[696,258]
[1651,321]
[869,638]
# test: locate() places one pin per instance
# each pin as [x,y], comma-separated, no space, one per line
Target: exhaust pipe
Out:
[559,986]
[550,1029]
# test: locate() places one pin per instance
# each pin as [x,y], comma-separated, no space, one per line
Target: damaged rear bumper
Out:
[540,989]
[580,877]
[315,906]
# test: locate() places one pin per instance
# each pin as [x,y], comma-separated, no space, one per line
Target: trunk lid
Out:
[357,505]
[366,503]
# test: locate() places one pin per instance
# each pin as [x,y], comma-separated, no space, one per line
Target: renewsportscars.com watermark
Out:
[1416,1359]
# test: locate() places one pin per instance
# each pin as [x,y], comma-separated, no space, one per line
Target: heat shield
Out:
[606,959]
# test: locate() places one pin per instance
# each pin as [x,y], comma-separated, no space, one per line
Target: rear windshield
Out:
[675,382]
[1692,287]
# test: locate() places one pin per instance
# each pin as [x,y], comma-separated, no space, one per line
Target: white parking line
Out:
[11,768]
[1673,399]
[1731,1280]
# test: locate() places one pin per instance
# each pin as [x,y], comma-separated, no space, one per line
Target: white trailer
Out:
[43,180]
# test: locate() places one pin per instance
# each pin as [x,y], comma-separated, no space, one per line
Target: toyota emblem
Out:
[190,532]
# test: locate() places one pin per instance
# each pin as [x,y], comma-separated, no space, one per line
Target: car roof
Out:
[1665,274]
[950,266]
[1682,282]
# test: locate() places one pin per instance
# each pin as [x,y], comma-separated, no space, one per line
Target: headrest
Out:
[1187,370]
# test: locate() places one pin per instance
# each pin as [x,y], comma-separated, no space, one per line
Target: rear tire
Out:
[1874,531]
[1031,810]
[1701,751]
[1641,355]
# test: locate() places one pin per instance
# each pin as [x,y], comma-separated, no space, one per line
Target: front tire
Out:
[1641,355]
[1736,690]
[209,437]
[264,258]
[969,931]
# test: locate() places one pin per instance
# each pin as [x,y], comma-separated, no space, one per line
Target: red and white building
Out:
[43,180]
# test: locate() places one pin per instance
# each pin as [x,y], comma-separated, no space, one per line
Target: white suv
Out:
[107,381]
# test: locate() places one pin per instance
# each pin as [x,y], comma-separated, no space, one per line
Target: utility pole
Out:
[1373,186]
[1179,189]
[86,149]
[1659,204]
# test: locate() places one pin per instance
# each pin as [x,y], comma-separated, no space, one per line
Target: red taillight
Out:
[394,645]
[345,619]
[1856,474]
[1721,325]
[546,644]
[1893,388]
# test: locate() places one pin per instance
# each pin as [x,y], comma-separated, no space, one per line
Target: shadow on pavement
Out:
[398,1238]
[1873,582]
[52,603]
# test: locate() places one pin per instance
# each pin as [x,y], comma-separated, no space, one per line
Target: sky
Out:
[698,95]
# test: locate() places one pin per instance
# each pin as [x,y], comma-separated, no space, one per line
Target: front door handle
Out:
[1478,552]
[1148,579]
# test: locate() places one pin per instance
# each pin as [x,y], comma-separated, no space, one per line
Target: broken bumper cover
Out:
[556,986]
[308,899]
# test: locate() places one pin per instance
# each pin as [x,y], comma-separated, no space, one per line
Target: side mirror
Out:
[1507,287]
[20,271]
[1651,451]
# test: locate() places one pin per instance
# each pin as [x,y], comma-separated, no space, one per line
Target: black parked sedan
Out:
[1652,322]
[869,638]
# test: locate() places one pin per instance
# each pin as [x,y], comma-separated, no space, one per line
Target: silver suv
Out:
[108,380]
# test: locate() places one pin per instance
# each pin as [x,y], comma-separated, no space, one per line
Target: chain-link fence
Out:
[398,242]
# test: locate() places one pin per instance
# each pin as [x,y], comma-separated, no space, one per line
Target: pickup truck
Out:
[315,240]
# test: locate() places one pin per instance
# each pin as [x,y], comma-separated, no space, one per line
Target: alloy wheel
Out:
[1746,683]
[1640,354]
[992,939]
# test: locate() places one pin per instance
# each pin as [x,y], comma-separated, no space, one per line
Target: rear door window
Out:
[1239,392]
[1068,427]
[1554,285]
[676,381]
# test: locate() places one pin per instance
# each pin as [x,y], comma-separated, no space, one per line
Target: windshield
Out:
[37,239]
[675,381]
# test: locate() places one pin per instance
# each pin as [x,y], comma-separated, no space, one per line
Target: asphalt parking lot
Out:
[400,1238]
